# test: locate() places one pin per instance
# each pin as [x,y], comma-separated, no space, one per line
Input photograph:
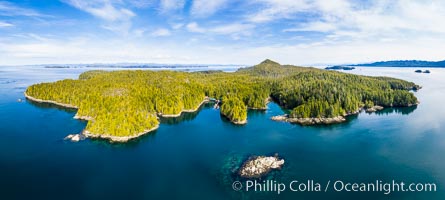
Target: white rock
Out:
[259,166]
[68,137]
[75,138]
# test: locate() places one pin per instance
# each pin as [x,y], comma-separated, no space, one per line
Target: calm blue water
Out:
[192,157]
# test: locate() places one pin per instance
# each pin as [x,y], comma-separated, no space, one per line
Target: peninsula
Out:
[122,105]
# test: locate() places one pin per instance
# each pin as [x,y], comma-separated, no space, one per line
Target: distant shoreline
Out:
[399,66]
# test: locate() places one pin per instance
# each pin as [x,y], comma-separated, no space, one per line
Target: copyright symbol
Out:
[237,186]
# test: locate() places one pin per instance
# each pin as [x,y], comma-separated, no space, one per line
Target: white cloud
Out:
[141,3]
[10,9]
[85,50]
[204,8]
[236,30]
[103,9]
[277,9]
[171,5]
[356,20]
[346,31]
[177,25]
[314,26]
[5,24]
[194,27]
[162,32]
[117,17]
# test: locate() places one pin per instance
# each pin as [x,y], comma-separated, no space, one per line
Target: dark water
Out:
[192,157]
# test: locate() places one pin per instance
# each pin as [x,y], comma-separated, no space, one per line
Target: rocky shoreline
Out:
[49,101]
[325,120]
[86,118]
[374,109]
[206,100]
[235,122]
[86,133]
[239,122]
[309,121]
[117,138]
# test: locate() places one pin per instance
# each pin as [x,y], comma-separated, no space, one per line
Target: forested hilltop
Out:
[127,103]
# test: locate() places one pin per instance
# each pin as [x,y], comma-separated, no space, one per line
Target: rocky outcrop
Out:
[374,109]
[240,122]
[309,121]
[75,137]
[87,118]
[112,138]
[258,166]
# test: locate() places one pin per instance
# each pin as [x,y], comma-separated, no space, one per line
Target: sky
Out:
[299,32]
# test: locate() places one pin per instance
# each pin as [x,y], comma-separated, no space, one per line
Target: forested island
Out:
[403,63]
[121,105]
[338,67]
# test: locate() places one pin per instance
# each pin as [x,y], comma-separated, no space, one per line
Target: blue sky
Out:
[301,32]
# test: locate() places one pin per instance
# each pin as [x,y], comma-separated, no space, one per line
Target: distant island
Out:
[420,71]
[121,105]
[339,68]
[403,63]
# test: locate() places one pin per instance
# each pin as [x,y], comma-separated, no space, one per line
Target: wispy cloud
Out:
[171,5]
[141,3]
[162,32]
[104,9]
[195,28]
[11,9]
[235,30]
[204,8]
[277,9]
[117,17]
[291,31]
[5,24]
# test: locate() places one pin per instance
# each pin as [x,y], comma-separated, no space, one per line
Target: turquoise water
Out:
[193,157]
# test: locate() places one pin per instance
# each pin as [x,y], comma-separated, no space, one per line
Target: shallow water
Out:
[194,156]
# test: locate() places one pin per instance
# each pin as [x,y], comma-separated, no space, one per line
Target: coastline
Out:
[310,121]
[118,138]
[328,120]
[266,102]
[111,138]
[206,100]
[49,101]
[235,122]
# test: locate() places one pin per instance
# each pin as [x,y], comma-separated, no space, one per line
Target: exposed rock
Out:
[240,122]
[258,166]
[280,118]
[75,137]
[87,118]
[309,121]
[374,109]
[111,138]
